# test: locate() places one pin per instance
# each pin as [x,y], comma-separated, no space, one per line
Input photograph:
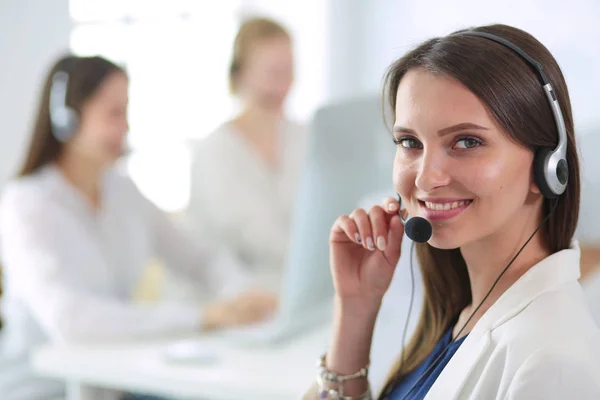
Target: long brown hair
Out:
[512,92]
[86,74]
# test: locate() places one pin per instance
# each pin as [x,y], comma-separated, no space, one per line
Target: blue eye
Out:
[468,143]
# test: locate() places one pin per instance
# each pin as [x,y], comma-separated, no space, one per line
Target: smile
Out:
[443,209]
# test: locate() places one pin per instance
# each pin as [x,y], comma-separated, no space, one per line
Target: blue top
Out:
[427,381]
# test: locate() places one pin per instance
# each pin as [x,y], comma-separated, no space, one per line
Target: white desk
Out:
[279,372]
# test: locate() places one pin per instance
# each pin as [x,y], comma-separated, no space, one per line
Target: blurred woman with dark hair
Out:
[76,235]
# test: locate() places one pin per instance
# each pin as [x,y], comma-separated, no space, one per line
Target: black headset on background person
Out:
[550,168]
[551,174]
[64,120]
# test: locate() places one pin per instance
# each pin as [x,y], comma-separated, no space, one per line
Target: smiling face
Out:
[454,166]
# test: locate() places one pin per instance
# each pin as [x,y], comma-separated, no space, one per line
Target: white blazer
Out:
[537,342]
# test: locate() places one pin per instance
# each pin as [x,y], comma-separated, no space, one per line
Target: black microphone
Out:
[417,229]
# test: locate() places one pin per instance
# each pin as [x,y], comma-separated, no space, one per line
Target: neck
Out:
[260,121]
[488,258]
[82,174]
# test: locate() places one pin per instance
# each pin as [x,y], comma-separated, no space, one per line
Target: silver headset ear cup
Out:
[64,123]
[562,172]
[540,165]
[64,120]
[539,168]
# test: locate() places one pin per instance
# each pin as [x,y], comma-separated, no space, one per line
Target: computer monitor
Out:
[350,155]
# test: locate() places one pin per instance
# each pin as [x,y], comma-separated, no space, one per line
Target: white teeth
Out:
[445,206]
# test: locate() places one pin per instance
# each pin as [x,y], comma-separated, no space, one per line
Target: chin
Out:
[445,239]
[443,244]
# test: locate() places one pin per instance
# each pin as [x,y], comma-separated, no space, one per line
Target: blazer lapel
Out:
[451,381]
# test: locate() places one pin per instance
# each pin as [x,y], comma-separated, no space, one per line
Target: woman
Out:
[470,112]
[75,235]
[245,173]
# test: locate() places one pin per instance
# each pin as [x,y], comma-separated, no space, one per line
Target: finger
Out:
[363,223]
[395,235]
[391,205]
[345,228]
[379,226]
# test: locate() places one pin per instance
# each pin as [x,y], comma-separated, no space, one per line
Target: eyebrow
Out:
[446,131]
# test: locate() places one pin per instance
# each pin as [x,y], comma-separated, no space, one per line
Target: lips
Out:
[443,209]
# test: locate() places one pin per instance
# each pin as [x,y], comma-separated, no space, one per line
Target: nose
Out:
[433,171]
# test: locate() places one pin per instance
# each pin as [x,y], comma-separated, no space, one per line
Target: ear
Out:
[534,188]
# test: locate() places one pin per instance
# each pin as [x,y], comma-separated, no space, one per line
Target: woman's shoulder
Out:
[123,189]
[217,136]
[296,127]
[556,342]
[554,331]
[210,148]
[29,192]
[556,319]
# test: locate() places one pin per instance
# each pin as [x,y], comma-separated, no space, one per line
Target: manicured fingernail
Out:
[357,237]
[381,243]
[370,244]
[392,206]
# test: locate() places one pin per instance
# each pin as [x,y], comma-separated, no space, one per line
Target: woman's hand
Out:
[364,251]
[249,307]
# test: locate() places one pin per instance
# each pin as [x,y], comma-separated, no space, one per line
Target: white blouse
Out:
[70,272]
[244,204]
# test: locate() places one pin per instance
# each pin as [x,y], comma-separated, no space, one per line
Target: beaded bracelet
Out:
[325,377]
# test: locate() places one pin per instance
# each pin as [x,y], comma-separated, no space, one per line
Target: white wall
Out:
[385,29]
[32,34]
[347,75]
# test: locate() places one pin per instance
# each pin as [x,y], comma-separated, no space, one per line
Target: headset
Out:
[551,174]
[64,120]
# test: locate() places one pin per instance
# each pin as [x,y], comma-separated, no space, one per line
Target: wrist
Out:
[360,311]
[211,317]
[352,335]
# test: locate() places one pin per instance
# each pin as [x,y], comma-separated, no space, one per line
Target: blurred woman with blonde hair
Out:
[245,173]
